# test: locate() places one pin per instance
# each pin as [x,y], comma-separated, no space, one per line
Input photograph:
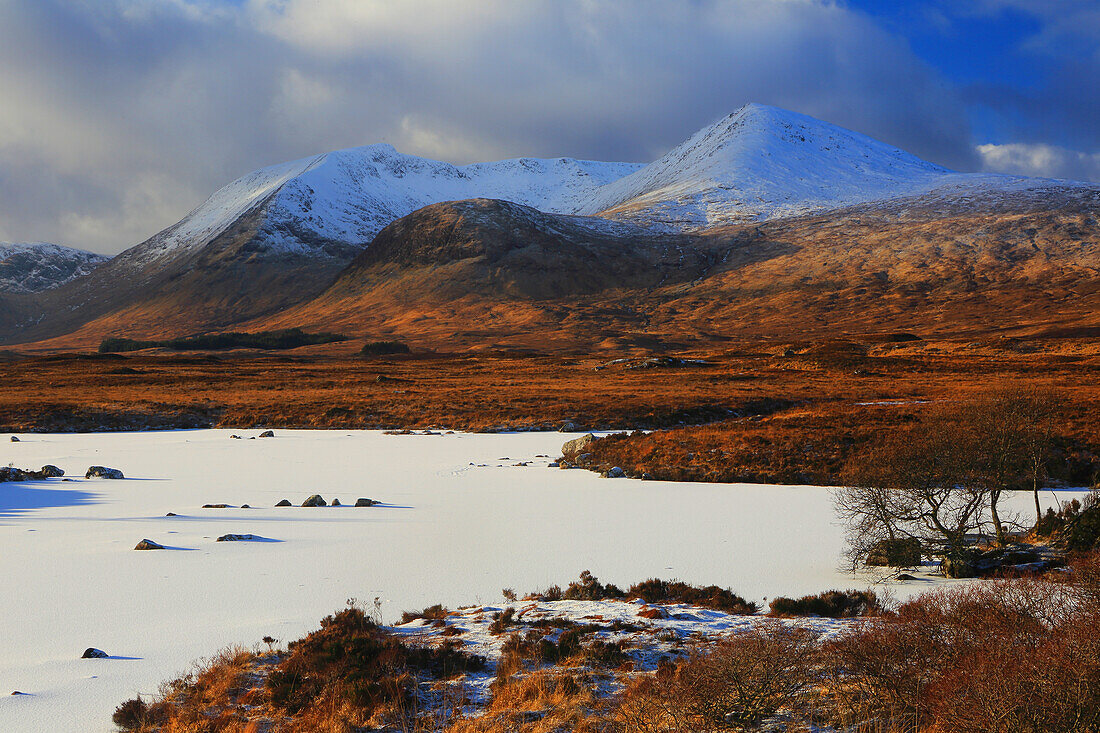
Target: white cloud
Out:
[1036,159]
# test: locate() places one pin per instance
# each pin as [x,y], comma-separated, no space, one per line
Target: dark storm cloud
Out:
[117,116]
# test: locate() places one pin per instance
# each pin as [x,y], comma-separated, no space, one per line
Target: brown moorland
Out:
[775,411]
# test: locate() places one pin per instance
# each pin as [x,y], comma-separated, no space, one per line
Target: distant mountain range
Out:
[759,215]
[31,267]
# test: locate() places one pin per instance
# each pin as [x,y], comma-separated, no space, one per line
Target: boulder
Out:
[284,502]
[148,545]
[365,502]
[236,538]
[577,445]
[900,553]
[957,567]
[614,472]
[245,506]
[170,514]
[315,500]
[234,437]
[103,472]
[14,439]
[1014,559]
[52,471]
[11,473]
[568,427]
[335,502]
[93,653]
[267,434]
[215,506]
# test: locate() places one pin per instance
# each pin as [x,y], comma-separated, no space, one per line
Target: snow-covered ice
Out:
[461,521]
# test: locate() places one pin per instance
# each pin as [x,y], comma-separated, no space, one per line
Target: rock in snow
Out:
[267,434]
[103,472]
[236,537]
[284,502]
[314,500]
[148,545]
[577,445]
[365,502]
[52,471]
[93,653]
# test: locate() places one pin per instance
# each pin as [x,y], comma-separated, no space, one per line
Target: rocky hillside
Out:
[30,267]
[482,273]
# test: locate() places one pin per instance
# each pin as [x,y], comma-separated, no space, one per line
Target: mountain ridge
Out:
[287,241]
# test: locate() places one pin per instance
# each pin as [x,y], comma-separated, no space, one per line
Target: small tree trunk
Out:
[997,521]
[1035,491]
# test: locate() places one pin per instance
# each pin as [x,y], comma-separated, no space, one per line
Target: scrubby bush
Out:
[431,613]
[381,348]
[135,714]
[502,620]
[830,604]
[352,661]
[589,588]
[999,657]
[710,596]
[737,685]
[290,338]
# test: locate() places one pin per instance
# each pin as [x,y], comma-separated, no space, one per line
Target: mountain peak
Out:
[763,162]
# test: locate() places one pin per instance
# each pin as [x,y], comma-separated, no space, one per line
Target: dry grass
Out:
[766,416]
[543,701]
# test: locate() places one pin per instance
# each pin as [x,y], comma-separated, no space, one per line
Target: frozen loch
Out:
[458,521]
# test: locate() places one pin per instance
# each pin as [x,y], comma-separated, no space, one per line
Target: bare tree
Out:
[1013,431]
[914,485]
[943,480]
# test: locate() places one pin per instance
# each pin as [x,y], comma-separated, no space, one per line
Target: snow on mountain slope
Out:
[763,163]
[223,208]
[29,267]
[347,196]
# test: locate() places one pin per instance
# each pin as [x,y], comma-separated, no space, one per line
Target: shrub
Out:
[351,660]
[381,348]
[131,715]
[290,338]
[999,657]
[830,604]
[711,596]
[895,553]
[502,620]
[431,613]
[589,588]
[740,683]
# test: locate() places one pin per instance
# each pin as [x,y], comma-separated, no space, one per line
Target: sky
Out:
[117,117]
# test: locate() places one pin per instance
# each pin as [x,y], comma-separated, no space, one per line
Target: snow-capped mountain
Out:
[763,163]
[280,236]
[30,267]
[346,197]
